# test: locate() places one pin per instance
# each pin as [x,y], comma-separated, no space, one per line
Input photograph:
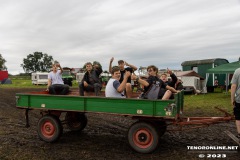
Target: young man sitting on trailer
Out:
[55,82]
[153,78]
[171,83]
[131,68]
[114,88]
[91,81]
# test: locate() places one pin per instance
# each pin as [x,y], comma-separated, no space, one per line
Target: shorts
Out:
[236,111]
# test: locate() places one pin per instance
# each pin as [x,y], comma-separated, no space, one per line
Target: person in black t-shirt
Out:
[153,77]
[171,83]
[131,68]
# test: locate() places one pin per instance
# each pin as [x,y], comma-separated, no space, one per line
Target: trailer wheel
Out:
[76,121]
[143,137]
[49,128]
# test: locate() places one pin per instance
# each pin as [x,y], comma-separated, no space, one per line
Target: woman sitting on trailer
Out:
[153,77]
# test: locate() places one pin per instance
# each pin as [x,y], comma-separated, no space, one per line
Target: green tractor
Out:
[67,76]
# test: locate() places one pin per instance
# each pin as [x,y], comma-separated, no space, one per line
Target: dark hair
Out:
[115,69]
[88,63]
[153,67]
[120,61]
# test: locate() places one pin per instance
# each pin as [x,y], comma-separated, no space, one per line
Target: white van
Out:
[39,78]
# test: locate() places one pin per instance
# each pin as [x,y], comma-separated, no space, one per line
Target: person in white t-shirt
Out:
[55,82]
[114,88]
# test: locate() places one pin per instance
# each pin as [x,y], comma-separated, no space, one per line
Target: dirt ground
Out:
[105,137]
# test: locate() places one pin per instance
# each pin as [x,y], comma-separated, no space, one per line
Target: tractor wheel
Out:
[143,137]
[76,121]
[49,128]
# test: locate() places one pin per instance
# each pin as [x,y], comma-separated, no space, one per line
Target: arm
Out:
[141,81]
[122,86]
[174,78]
[233,90]
[98,70]
[171,89]
[110,65]
[49,84]
[61,70]
[85,79]
[132,66]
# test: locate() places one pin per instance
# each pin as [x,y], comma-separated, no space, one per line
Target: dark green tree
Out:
[37,62]
[2,63]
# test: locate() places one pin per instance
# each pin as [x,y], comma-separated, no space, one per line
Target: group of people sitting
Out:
[119,85]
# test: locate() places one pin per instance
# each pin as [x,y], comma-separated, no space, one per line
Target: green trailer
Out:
[153,116]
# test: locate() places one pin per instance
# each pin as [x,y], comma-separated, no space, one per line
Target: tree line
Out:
[36,62]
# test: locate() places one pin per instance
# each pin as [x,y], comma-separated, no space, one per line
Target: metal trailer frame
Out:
[153,116]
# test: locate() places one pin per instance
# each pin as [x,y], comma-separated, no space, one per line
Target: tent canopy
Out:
[225,68]
[188,73]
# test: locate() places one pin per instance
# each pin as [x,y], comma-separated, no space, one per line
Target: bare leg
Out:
[167,95]
[128,90]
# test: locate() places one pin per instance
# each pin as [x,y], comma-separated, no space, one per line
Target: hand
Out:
[111,60]
[134,77]
[127,74]
[47,90]
[169,71]
[85,84]
[233,103]
[126,63]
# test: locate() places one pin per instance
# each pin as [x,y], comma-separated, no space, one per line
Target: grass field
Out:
[199,105]
[204,104]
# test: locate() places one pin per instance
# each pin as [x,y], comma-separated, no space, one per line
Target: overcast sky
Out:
[142,32]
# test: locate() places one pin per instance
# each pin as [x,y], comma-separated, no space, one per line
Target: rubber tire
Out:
[76,121]
[52,127]
[143,132]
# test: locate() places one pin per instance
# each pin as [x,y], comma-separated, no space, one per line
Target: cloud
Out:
[164,33]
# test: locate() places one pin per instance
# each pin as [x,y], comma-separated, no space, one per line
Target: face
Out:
[163,78]
[54,67]
[116,75]
[88,67]
[151,72]
[121,66]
